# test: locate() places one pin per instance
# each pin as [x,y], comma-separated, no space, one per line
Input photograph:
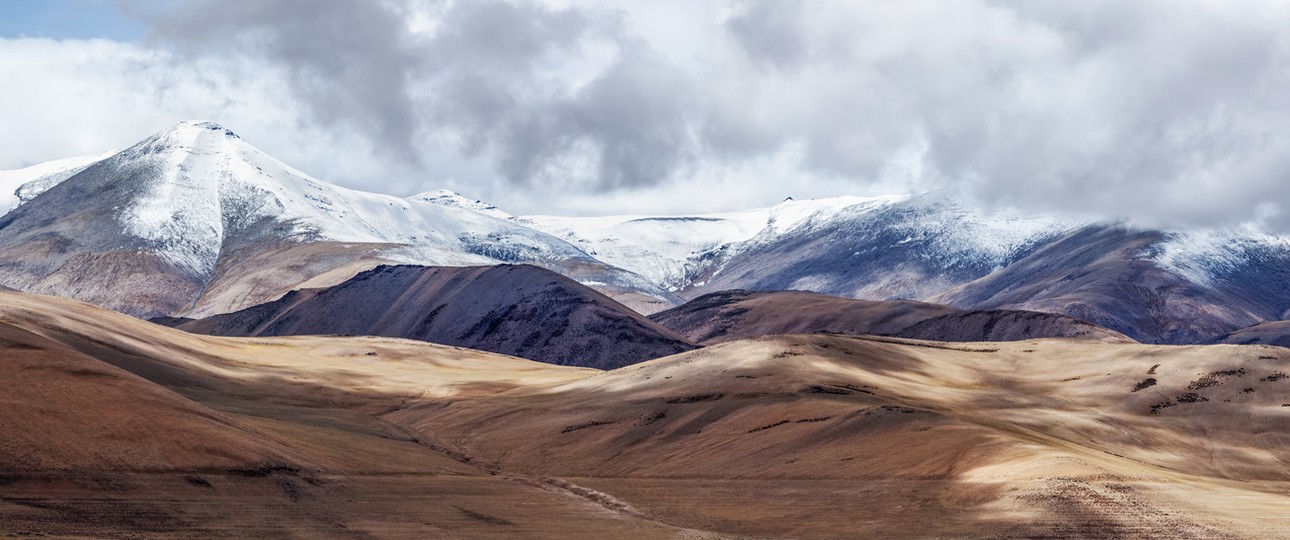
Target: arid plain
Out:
[149,432]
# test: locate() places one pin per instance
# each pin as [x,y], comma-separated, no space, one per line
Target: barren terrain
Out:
[120,428]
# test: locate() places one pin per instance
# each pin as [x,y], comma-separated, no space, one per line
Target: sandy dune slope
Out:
[779,437]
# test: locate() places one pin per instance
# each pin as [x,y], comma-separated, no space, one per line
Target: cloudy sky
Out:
[1161,111]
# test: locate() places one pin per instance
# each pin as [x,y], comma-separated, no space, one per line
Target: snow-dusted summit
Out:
[227,226]
[445,197]
[671,250]
[195,221]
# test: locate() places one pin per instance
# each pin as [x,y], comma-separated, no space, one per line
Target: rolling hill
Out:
[800,436]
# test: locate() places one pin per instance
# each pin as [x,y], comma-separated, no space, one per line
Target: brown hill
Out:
[63,410]
[799,436]
[1008,325]
[255,438]
[1268,333]
[730,315]
[517,310]
[737,314]
[852,437]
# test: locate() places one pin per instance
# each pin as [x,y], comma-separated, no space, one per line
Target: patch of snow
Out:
[957,232]
[1203,255]
[445,197]
[22,185]
[198,183]
[668,249]
[791,213]
[656,247]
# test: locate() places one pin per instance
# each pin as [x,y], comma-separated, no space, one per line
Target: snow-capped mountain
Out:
[905,247]
[194,220]
[845,246]
[1155,286]
[671,250]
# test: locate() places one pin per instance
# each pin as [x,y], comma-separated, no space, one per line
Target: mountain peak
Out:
[191,125]
[447,197]
[190,136]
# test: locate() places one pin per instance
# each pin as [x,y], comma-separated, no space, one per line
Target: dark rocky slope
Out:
[1268,333]
[1008,325]
[730,315]
[1111,276]
[519,310]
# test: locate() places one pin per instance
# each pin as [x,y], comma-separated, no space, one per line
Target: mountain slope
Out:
[671,250]
[729,315]
[887,248]
[21,185]
[121,422]
[118,428]
[854,437]
[522,311]
[192,219]
[783,437]
[1267,333]
[878,248]
[1145,284]
[1008,325]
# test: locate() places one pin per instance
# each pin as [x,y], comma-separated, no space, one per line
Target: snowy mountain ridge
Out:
[240,226]
[197,194]
[184,214]
[445,197]
[21,185]
[670,249]
[206,182]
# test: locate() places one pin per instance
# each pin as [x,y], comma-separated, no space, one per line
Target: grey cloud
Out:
[1156,110]
[637,111]
[348,61]
[477,79]
[631,117]
[771,31]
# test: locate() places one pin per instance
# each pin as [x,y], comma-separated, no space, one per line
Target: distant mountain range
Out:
[195,222]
